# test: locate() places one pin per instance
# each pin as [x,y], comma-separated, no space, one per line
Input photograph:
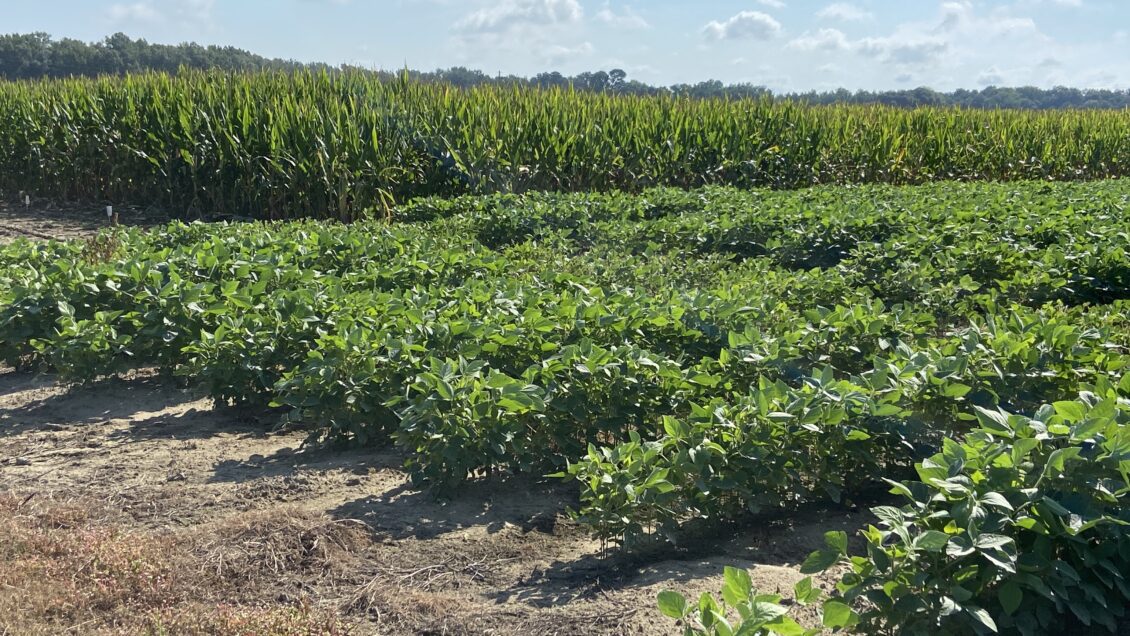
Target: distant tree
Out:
[462,77]
[80,57]
[37,55]
[25,56]
[616,79]
[597,82]
[550,80]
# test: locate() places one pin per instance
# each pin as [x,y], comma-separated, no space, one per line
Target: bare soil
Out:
[143,459]
[42,220]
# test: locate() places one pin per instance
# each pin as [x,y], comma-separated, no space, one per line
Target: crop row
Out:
[1017,529]
[678,355]
[284,145]
[479,359]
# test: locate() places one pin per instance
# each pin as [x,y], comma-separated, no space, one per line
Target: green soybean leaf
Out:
[837,615]
[672,604]
[1057,461]
[764,612]
[982,617]
[994,421]
[837,540]
[996,500]
[992,541]
[782,626]
[1070,411]
[1010,596]
[956,390]
[819,561]
[736,586]
[932,541]
[805,592]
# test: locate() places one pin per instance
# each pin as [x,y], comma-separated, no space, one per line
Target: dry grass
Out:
[66,567]
[193,619]
[408,610]
[268,545]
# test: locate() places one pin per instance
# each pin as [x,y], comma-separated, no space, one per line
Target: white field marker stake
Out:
[27,201]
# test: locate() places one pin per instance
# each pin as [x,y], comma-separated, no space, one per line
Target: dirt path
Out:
[49,220]
[501,558]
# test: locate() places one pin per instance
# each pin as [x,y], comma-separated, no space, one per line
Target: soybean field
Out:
[954,357]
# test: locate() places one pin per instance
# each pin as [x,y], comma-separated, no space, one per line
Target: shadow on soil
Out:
[51,407]
[703,551]
[46,405]
[493,505]
[317,459]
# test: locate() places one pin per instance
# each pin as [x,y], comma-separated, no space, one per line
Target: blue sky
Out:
[784,44]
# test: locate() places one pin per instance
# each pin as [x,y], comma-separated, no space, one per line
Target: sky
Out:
[787,45]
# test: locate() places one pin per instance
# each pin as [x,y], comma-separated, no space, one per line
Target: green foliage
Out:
[37,55]
[756,614]
[347,144]
[679,356]
[1020,528]
[775,447]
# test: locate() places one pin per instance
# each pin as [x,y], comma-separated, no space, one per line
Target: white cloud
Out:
[542,33]
[1066,4]
[824,39]
[135,12]
[557,54]
[747,25]
[903,51]
[633,70]
[1013,26]
[990,77]
[956,15]
[845,12]
[944,44]
[516,13]
[159,11]
[1100,79]
[961,16]
[198,9]
[629,19]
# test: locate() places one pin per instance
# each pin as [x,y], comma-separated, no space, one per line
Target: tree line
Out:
[38,55]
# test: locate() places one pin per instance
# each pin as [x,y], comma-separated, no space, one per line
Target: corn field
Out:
[284,145]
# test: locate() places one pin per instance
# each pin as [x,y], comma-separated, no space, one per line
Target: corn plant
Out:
[349,145]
